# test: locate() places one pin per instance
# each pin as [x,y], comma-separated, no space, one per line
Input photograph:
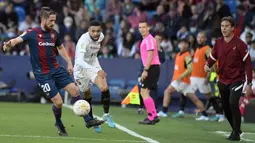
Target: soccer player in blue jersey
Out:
[44,43]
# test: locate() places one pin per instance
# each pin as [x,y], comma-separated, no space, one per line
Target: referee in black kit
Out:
[234,64]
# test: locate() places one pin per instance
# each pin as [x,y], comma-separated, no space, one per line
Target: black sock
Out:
[204,113]
[141,98]
[57,113]
[141,102]
[215,105]
[165,109]
[208,105]
[183,102]
[106,100]
[89,100]
[219,102]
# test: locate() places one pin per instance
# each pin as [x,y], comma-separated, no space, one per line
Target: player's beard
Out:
[47,28]
[94,38]
[200,44]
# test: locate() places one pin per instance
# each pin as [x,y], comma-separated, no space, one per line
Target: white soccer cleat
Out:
[162,114]
[221,118]
[202,118]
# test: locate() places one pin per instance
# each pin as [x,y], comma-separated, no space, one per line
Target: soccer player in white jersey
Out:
[88,70]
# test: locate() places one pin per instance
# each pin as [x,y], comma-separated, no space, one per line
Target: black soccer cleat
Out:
[94,122]
[61,130]
[156,120]
[234,136]
[146,121]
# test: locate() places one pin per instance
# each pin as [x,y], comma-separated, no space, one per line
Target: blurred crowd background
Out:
[175,19]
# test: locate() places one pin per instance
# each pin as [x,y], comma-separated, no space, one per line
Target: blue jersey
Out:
[43,49]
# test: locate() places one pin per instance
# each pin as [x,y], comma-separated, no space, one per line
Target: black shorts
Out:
[151,81]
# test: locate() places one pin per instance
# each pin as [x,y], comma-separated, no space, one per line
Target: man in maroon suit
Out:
[234,65]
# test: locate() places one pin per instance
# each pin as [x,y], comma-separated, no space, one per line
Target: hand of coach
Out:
[248,90]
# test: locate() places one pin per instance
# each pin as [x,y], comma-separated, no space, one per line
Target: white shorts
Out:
[84,77]
[199,83]
[181,87]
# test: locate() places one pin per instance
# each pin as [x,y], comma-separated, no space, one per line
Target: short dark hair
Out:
[94,23]
[249,34]
[241,7]
[143,21]
[229,19]
[185,41]
[46,12]
[159,34]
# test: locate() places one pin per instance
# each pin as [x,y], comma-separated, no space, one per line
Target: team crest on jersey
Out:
[82,46]
[52,36]
[40,35]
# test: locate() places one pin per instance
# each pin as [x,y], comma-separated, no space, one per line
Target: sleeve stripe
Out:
[212,57]
[245,56]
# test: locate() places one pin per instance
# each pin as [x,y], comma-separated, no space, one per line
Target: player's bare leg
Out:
[57,111]
[199,105]
[87,96]
[105,99]
[166,100]
[73,90]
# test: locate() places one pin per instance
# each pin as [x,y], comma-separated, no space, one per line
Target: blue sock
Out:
[87,118]
[74,99]
[57,113]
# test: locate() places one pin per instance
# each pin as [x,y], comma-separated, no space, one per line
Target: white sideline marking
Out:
[124,129]
[226,134]
[67,138]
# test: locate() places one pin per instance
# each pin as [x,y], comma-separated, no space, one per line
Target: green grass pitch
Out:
[34,123]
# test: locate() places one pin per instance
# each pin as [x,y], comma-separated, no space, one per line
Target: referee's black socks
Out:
[215,105]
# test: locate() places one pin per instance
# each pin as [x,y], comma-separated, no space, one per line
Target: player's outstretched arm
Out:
[63,53]
[12,43]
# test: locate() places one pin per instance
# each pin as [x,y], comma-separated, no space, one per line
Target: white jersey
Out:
[86,54]
[87,49]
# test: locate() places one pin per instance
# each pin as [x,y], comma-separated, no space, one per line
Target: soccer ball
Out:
[81,108]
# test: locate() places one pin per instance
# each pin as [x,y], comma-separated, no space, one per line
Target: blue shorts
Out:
[52,82]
